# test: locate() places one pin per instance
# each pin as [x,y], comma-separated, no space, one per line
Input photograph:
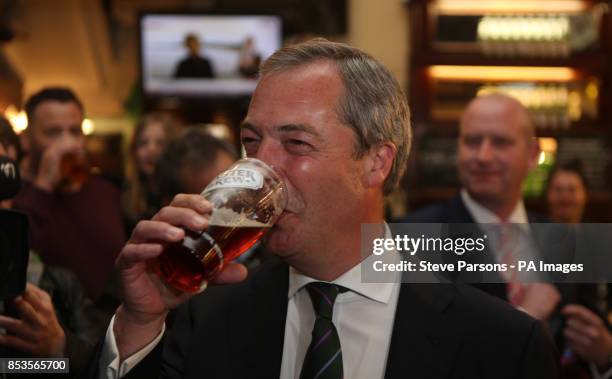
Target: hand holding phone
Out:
[35,330]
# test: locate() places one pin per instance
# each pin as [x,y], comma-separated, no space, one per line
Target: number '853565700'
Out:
[34,365]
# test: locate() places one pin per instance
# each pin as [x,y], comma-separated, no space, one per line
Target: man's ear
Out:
[534,153]
[379,163]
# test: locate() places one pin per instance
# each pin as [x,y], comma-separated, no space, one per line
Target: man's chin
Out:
[485,187]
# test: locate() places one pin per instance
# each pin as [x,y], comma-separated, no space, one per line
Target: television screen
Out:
[205,55]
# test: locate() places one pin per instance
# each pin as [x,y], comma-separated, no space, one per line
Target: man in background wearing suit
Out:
[496,150]
[335,123]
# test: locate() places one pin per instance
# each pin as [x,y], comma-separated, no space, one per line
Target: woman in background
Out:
[140,198]
[586,311]
[567,193]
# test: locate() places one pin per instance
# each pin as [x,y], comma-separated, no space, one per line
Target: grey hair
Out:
[373,105]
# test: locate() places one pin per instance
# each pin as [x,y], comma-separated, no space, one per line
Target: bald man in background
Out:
[496,150]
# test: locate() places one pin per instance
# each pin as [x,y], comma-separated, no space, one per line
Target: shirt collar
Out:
[379,292]
[484,216]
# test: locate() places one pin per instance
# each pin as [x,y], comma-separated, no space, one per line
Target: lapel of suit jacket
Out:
[457,212]
[424,340]
[258,323]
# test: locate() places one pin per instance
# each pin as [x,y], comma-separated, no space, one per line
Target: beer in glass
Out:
[74,169]
[247,199]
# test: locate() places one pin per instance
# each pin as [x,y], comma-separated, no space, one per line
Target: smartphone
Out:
[14,253]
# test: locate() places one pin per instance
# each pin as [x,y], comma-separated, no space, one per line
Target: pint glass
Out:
[74,169]
[247,199]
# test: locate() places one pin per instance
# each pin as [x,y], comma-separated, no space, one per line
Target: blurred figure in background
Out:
[588,336]
[194,65]
[587,329]
[191,161]
[496,150]
[249,59]
[10,140]
[53,317]
[567,193]
[12,149]
[75,218]
[140,199]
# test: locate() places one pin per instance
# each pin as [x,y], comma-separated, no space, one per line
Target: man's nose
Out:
[73,140]
[485,151]
[151,148]
[271,153]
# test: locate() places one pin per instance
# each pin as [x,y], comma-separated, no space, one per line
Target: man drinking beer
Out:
[335,124]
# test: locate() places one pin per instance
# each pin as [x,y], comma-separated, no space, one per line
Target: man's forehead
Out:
[52,110]
[486,127]
[490,125]
[292,99]
[57,107]
[495,114]
[310,79]
[323,67]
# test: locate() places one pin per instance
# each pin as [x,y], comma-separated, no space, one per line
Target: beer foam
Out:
[227,217]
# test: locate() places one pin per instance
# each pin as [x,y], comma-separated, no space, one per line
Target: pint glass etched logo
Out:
[238,178]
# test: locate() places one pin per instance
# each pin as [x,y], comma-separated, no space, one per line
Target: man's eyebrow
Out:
[305,128]
[248,125]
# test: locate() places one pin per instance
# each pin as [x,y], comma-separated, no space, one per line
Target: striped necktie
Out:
[509,237]
[324,357]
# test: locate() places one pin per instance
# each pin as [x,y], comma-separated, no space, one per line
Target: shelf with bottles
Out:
[535,30]
[592,61]
[555,107]
[554,56]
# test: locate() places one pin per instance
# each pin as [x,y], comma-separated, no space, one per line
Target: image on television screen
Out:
[205,55]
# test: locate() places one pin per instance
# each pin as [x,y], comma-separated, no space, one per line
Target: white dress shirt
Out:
[484,216]
[109,359]
[520,239]
[363,317]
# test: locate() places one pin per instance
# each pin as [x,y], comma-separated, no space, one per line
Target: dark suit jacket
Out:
[454,211]
[550,249]
[440,331]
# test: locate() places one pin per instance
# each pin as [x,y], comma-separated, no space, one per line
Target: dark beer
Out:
[74,169]
[191,263]
[247,200]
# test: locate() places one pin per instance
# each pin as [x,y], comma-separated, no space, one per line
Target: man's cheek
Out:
[300,184]
[304,166]
[278,240]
